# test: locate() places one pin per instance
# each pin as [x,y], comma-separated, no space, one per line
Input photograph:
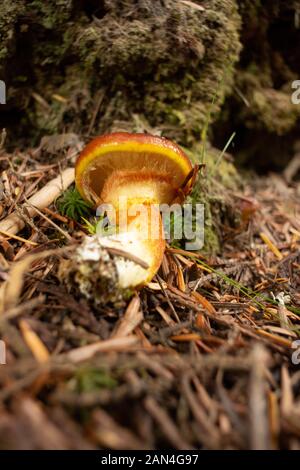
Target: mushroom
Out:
[134,174]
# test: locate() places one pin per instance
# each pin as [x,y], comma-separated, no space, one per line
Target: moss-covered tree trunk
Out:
[162,65]
[100,65]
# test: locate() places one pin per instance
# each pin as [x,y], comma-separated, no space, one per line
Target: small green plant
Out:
[100,226]
[72,205]
[227,145]
[90,226]
[256,297]
[88,379]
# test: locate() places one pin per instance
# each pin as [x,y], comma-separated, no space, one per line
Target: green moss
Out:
[52,13]
[274,111]
[179,87]
[72,205]
[124,50]
[8,17]
[88,379]
[211,189]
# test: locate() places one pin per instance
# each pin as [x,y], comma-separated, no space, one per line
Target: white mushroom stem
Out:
[108,268]
[13,223]
[131,255]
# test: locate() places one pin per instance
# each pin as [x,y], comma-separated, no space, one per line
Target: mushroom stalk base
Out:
[108,269]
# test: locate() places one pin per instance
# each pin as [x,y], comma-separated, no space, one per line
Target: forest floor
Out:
[204,357]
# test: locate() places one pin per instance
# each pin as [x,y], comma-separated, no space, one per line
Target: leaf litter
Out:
[200,358]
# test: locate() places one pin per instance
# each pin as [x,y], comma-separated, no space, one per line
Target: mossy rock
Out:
[163,61]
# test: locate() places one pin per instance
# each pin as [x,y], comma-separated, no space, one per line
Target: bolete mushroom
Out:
[131,172]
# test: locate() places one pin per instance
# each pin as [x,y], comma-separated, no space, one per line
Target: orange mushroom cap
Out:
[142,158]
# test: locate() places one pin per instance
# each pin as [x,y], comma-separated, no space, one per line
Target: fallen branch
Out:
[13,223]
